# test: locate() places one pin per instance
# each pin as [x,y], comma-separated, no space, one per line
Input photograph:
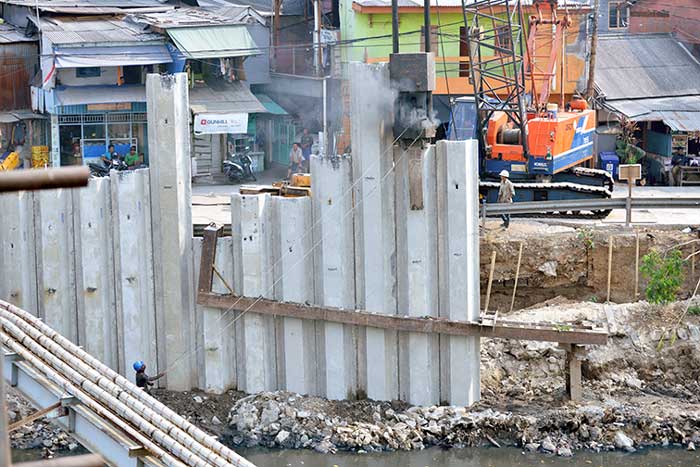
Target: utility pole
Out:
[317,37]
[395,26]
[277,5]
[594,47]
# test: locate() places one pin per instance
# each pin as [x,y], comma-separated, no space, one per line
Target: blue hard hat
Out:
[138,365]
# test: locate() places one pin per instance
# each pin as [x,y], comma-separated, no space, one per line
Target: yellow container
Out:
[11,162]
[40,157]
[301,180]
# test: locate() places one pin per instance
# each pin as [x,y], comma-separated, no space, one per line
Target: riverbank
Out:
[636,394]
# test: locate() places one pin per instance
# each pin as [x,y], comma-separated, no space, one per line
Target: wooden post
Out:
[610,252]
[573,372]
[517,275]
[636,268]
[692,263]
[488,287]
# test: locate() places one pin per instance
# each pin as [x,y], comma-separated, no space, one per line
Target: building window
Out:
[504,39]
[618,15]
[89,72]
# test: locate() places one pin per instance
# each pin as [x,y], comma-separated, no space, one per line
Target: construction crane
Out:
[547,150]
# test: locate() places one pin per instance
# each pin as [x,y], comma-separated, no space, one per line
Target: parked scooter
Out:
[238,168]
[101,168]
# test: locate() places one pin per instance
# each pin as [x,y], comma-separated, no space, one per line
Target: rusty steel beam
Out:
[507,330]
[547,332]
[206,269]
[44,179]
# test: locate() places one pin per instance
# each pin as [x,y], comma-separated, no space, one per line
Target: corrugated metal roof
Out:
[214,41]
[89,30]
[262,6]
[189,17]
[645,65]
[679,113]
[85,3]
[9,34]
[222,97]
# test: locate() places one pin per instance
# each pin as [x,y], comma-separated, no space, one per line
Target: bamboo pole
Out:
[636,268]
[610,253]
[517,275]
[488,287]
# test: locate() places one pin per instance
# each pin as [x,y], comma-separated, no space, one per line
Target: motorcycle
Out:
[238,168]
[102,168]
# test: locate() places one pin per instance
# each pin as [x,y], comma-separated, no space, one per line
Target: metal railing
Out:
[540,207]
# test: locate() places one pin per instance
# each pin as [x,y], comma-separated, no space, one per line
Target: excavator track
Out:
[576,190]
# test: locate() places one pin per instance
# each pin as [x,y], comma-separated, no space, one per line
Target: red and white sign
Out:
[208,124]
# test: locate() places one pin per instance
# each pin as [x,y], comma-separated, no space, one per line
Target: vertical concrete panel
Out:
[335,285]
[216,350]
[17,250]
[417,248]
[459,256]
[171,210]
[56,261]
[294,283]
[372,104]
[133,256]
[257,337]
[97,324]
[199,315]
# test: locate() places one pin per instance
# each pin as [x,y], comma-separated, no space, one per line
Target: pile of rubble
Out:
[637,395]
[41,434]
[282,420]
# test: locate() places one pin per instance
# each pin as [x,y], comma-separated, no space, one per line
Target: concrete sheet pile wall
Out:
[82,260]
[356,244]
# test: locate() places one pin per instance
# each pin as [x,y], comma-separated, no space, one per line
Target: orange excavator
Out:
[547,149]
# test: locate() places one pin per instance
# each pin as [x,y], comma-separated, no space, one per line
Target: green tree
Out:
[664,274]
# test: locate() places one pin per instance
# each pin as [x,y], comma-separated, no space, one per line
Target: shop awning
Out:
[224,98]
[17,115]
[82,57]
[272,107]
[100,95]
[679,113]
[214,41]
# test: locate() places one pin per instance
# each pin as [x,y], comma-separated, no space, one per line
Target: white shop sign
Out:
[220,123]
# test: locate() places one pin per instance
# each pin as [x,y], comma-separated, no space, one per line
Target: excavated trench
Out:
[559,261]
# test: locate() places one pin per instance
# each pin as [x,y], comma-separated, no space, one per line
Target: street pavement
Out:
[210,203]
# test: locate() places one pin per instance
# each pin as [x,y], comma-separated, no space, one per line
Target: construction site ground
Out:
[637,393]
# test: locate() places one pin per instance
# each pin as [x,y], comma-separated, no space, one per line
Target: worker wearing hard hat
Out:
[506,192]
[142,379]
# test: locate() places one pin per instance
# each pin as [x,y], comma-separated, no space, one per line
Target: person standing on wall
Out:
[296,159]
[506,192]
[306,142]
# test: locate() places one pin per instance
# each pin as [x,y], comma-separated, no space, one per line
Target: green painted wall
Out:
[356,25]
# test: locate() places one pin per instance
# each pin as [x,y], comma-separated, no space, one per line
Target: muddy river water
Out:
[434,457]
[484,457]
